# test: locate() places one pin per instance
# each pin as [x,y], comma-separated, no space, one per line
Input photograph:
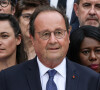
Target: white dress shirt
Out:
[69,5]
[59,78]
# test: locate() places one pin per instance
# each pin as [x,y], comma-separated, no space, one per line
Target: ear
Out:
[18,40]
[76,7]
[32,39]
[13,10]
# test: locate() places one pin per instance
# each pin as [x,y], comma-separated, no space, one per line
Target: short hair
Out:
[77,37]
[46,9]
[13,2]
[78,1]
[20,54]
[26,4]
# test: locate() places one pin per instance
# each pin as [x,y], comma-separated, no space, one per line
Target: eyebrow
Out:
[3,33]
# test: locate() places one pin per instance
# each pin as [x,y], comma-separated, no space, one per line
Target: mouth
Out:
[92,19]
[1,49]
[94,66]
[53,48]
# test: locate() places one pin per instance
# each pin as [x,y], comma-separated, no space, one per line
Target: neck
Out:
[5,63]
[51,63]
[29,49]
[8,61]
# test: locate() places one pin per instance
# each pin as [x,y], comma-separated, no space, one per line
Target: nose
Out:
[92,56]
[52,39]
[0,42]
[92,11]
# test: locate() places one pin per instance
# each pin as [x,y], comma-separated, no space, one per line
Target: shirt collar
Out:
[61,68]
[43,69]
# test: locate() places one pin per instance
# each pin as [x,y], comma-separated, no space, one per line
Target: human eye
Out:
[86,5]
[4,2]
[85,52]
[46,33]
[97,6]
[97,50]
[27,16]
[58,32]
[4,36]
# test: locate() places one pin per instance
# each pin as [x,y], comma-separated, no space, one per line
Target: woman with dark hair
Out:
[11,42]
[84,47]
[24,10]
[7,6]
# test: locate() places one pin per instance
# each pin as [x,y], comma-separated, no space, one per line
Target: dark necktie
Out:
[62,4]
[51,84]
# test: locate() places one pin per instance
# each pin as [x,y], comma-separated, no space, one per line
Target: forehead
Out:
[90,42]
[29,10]
[49,20]
[5,26]
[49,15]
[90,1]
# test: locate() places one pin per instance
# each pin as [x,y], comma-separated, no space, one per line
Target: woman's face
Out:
[8,41]
[90,53]
[24,21]
[5,7]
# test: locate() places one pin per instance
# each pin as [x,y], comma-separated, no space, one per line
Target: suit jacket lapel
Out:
[33,76]
[72,76]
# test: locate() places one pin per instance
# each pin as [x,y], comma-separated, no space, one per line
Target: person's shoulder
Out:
[83,70]
[16,75]
[19,67]
[86,77]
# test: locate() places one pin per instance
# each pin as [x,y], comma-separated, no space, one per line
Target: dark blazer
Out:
[26,76]
[74,19]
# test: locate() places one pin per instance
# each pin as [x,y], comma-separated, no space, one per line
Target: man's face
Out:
[51,49]
[88,12]
[5,7]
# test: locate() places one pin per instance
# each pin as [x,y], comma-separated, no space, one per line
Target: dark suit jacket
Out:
[74,19]
[26,76]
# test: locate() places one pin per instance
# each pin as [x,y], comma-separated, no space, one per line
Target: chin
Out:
[54,56]
[95,24]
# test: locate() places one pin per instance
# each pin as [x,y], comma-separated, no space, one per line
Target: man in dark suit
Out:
[67,5]
[88,12]
[50,70]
